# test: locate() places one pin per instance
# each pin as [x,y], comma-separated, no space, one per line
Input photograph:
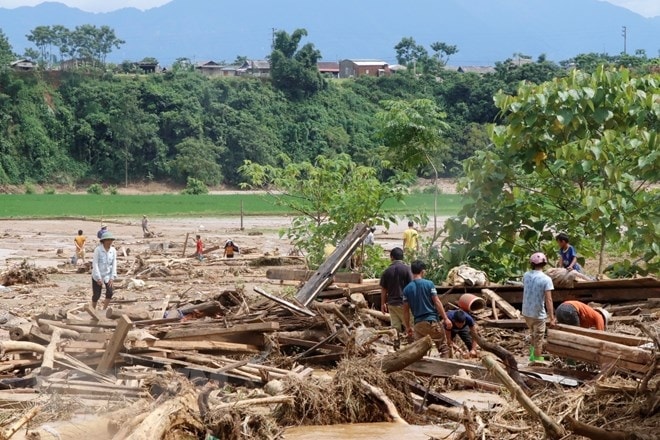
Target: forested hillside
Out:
[74,127]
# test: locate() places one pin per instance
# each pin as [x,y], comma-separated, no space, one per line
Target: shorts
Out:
[396,317]
[537,329]
[435,331]
[96,291]
[567,314]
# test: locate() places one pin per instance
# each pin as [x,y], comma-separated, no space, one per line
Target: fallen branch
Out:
[507,358]
[596,433]
[412,353]
[389,405]
[552,429]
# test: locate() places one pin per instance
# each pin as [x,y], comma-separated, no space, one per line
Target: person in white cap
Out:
[579,314]
[104,269]
[104,228]
[537,303]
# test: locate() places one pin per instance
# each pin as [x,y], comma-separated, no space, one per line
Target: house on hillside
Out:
[259,68]
[356,68]
[23,65]
[480,70]
[328,68]
[209,68]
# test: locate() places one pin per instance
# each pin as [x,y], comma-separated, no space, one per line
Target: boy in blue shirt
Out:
[464,326]
[421,298]
[567,254]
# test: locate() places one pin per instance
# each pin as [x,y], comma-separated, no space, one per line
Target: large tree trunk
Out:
[412,353]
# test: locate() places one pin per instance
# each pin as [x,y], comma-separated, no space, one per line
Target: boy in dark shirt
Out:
[464,326]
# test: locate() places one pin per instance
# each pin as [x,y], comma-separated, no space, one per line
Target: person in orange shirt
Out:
[581,315]
[79,241]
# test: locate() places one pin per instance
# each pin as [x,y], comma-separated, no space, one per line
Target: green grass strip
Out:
[178,205]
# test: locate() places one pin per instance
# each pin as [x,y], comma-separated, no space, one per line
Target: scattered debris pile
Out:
[23,273]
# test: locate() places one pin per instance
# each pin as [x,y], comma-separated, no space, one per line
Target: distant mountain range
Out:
[485,31]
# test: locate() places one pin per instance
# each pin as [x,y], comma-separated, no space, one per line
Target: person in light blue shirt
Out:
[104,269]
[537,303]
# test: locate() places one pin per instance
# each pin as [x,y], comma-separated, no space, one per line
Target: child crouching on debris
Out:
[537,303]
[464,326]
[567,254]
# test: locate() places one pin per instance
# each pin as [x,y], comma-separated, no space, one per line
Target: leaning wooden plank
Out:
[116,344]
[502,305]
[47,363]
[632,341]
[431,396]
[552,429]
[285,303]
[92,312]
[7,433]
[323,276]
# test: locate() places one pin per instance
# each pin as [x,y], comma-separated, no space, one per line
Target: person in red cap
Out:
[537,303]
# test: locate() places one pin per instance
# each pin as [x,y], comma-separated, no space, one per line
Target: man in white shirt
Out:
[104,269]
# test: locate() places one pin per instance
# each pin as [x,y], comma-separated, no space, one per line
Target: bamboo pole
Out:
[552,429]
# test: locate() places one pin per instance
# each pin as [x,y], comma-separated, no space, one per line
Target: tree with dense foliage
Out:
[442,51]
[413,133]
[294,69]
[329,195]
[6,52]
[577,155]
[409,53]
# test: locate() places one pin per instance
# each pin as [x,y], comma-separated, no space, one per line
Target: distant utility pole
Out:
[624,34]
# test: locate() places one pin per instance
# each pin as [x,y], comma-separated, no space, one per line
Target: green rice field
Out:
[13,206]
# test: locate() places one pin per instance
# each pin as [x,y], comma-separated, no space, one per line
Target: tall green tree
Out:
[6,52]
[576,154]
[442,51]
[410,54]
[330,195]
[413,132]
[293,69]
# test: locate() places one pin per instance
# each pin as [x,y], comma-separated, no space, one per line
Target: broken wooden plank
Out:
[262,327]
[502,305]
[283,274]
[47,363]
[428,366]
[323,276]
[201,345]
[116,344]
[505,323]
[285,303]
[430,395]
[92,312]
[285,341]
[632,341]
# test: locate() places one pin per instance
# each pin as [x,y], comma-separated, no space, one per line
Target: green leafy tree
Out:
[6,52]
[293,69]
[198,158]
[410,54]
[413,133]
[442,51]
[329,195]
[42,37]
[577,155]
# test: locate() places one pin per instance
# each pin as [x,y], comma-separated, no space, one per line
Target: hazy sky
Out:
[647,8]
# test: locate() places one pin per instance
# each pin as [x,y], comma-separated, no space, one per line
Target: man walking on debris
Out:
[537,304]
[145,226]
[392,282]
[410,239]
[104,269]
[581,315]
[420,297]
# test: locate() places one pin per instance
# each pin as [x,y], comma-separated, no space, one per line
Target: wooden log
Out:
[115,345]
[401,359]
[133,315]
[332,308]
[444,367]
[502,305]
[283,274]
[308,344]
[323,276]
[596,433]
[385,317]
[463,379]
[430,395]
[506,356]
[7,433]
[632,341]
[12,346]
[185,245]
[49,329]
[48,360]
[176,413]
[207,308]
[552,429]
[601,347]
[91,323]
[259,401]
[20,332]
[36,335]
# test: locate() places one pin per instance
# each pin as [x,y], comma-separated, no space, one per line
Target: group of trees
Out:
[86,42]
[573,150]
[417,58]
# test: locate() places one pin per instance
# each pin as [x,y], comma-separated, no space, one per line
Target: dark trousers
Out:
[464,334]
[96,291]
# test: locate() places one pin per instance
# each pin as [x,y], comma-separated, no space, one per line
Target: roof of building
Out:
[367,62]
[396,67]
[208,64]
[260,64]
[471,69]
[328,66]
[22,61]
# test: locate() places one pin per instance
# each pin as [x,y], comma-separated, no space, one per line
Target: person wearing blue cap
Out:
[104,269]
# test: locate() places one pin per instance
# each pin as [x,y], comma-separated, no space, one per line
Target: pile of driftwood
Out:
[23,273]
